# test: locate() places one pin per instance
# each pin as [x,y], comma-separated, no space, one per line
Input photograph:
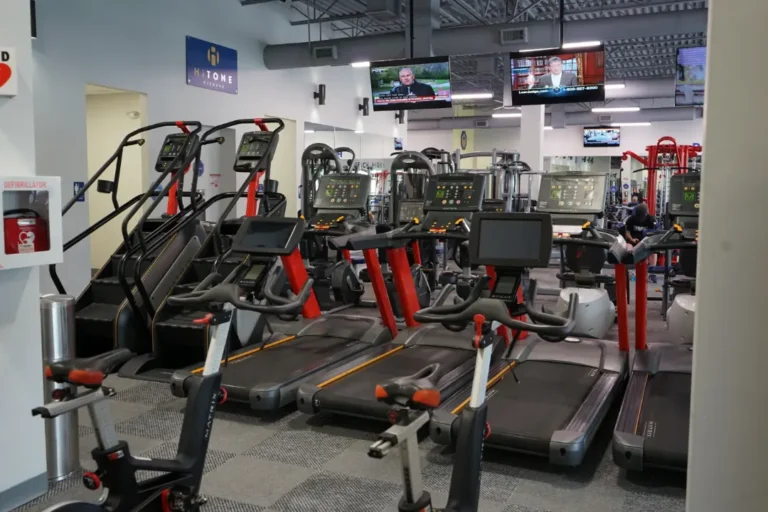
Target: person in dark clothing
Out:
[409,85]
[635,227]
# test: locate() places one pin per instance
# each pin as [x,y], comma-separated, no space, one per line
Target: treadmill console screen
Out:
[342,192]
[253,147]
[267,236]
[511,240]
[457,192]
[172,148]
[685,194]
[409,210]
[571,193]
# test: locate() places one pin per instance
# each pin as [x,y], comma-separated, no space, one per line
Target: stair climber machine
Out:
[349,164]
[177,487]
[110,311]
[545,399]
[503,187]
[317,160]
[412,398]
[177,340]
[451,200]
[652,428]
[267,375]
[411,171]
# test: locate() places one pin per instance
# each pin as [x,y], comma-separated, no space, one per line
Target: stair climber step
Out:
[184,319]
[204,266]
[130,265]
[94,328]
[107,290]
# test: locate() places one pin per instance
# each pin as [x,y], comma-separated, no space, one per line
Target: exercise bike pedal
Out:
[222,398]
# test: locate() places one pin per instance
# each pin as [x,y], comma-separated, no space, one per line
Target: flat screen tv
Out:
[600,137]
[690,74]
[558,76]
[411,84]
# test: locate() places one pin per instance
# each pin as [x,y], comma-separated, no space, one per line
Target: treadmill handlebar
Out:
[230,293]
[496,310]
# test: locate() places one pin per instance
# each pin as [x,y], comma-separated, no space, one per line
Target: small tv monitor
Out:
[689,76]
[398,143]
[558,76]
[601,137]
[411,84]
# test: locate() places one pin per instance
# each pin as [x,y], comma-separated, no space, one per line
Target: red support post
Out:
[406,289]
[416,252]
[641,305]
[622,309]
[296,273]
[346,255]
[380,290]
[252,205]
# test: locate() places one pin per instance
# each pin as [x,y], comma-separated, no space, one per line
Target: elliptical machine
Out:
[413,397]
[177,489]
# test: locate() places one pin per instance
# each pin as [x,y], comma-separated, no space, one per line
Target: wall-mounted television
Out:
[558,76]
[602,137]
[411,84]
[690,75]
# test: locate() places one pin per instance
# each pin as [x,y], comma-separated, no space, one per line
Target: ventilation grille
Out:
[605,118]
[325,52]
[482,124]
[513,35]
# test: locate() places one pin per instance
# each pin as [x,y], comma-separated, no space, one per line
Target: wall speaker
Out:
[365,106]
[319,95]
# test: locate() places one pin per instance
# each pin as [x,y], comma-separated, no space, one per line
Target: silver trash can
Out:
[57,313]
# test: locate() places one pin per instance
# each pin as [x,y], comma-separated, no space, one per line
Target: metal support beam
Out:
[519,14]
[422,17]
[471,11]
[329,19]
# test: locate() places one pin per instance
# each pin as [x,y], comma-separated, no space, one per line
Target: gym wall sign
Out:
[211,66]
[8,71]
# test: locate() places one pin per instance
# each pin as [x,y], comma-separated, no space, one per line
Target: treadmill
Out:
[548,399]
[652,429]
[450,201]
[267,375]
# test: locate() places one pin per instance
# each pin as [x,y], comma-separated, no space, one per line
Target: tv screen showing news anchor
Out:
[411,84]
[690,75]
[558,76]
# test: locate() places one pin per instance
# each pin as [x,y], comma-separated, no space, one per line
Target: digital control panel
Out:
[493,205]
[583,193]
[685,194]
[342,192]
[457,192]
[327,220]
[253,147]
[408,210]
[173,145]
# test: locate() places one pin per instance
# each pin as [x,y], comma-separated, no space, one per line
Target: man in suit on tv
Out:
[555,78]
[409,86]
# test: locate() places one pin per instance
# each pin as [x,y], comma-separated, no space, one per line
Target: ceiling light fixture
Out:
[529,50]
[583,44]
[630,124]
[614,86]
[309,131]
[600,110]
[359,132]
[507,114]
[473,96]
[548,128]
[362,64]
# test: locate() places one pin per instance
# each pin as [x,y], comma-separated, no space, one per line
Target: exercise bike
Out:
[413,397]
[178,488]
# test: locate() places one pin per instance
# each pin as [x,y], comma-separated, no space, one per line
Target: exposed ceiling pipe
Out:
[485,39]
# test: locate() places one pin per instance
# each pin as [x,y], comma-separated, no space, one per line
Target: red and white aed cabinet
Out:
[31,227]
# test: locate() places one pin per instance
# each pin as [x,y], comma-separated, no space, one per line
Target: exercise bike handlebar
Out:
[496,311]
[230,293]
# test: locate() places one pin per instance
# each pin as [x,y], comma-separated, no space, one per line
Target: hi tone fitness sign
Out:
[8,72]
[211,66]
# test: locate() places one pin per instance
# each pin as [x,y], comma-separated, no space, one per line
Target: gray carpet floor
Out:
[293,462]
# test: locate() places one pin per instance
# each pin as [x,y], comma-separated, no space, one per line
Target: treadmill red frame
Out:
[297,276]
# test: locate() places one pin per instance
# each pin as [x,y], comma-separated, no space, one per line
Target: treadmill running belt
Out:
[664,420]
[355,394]
[277,363]
[524,415]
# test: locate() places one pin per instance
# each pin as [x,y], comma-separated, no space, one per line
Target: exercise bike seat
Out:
[417,391]
[88,372]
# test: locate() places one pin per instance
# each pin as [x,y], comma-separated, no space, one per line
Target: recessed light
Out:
[630,124]
[548,128]
[616,109]
[362,64]
[359,131]
[472,96]
[508,114]
[529,50]
[583,44]
[614,86]
[309,131]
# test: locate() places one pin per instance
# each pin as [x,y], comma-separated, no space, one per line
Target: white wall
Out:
[135,46]
[22,446]
[567,141]
[107,124]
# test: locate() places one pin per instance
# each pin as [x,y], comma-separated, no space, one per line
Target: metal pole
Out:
[57,314]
